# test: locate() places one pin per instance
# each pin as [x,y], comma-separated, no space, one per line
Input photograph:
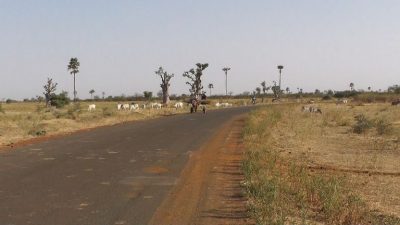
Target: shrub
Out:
[74,111]
[1,109]
[59,100]
[326,97]
[383,126]
[362,124]
[107,112]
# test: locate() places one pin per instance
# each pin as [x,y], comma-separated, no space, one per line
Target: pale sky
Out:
[324,44]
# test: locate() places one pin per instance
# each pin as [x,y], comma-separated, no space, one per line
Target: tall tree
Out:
[226,69]
[103,94]
[280,68]
[91,92]
[165,78]
[210,86]
[194,76]
[287,90]
[49,89]
[73,67]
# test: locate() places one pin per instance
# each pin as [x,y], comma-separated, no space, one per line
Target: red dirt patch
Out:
[155,170]
[209,191]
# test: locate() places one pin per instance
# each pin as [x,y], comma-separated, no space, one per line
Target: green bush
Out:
[362,124]
[326,97]
[59,100]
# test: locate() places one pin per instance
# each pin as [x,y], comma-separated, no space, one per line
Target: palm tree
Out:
[369,89]
[280,68]
[91,93]
[287,90]
[226,69]
[73,66]
[352,86]
[210,86]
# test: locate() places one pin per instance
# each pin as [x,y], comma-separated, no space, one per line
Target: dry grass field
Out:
[332,168]
[23,121]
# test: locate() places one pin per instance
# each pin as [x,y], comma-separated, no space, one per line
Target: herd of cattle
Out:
[180,105]
[314,109]
[135,106]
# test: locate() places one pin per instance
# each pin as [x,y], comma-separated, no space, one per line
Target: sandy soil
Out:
[209,191]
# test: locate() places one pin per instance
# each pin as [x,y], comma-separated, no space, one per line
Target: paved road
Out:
[108,176]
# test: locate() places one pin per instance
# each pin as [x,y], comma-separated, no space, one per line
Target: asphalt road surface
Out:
[108,176]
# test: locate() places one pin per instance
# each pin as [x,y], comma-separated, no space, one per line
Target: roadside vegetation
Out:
[338,167]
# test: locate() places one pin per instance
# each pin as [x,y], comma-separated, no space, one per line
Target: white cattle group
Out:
[154,105]
[127,106]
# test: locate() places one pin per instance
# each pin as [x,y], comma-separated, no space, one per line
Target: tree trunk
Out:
[165,96]
[74,89]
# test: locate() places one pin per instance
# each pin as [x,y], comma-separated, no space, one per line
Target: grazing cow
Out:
[125,106]
[119,106]
[156,105]
[217,104]
[396,102]
[91,107]
[342,101]
[134,107]
[226,104]
[312,109]
[179,105]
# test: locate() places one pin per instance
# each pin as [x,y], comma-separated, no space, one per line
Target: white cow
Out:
[119,106]
[217,104]
[309,108]
[226,104]
[125,106]
[134,107]
[92,107]
[156,105]
[179,105]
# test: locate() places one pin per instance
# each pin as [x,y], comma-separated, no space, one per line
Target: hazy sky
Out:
[324,44]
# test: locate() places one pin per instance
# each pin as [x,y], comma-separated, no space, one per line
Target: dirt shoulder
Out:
[209,190]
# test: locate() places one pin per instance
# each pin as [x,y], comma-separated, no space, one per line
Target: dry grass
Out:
[304,168]
[22,121]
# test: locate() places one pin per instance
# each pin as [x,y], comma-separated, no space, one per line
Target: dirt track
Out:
[114,175]
[209,191]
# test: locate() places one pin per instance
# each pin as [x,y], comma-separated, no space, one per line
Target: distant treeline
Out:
[390,94]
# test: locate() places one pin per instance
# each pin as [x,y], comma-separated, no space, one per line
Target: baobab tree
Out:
[226,69]
[165,78]
[91,92]
[210,86]
[73,67]
[194,76]
[49,89]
